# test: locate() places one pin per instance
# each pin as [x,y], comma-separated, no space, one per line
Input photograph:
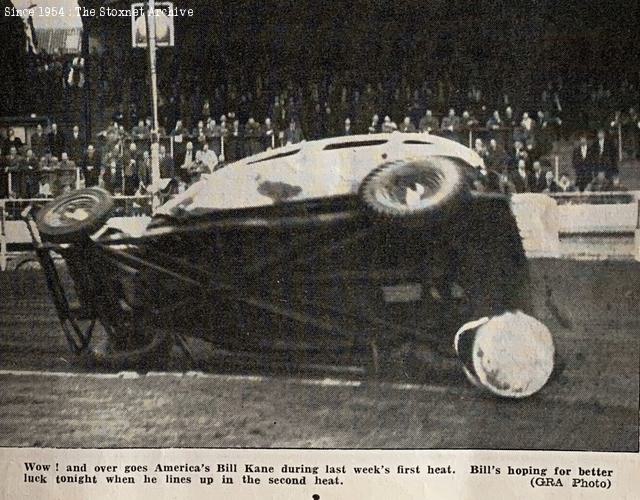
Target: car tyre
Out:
[74,216]
[414,187]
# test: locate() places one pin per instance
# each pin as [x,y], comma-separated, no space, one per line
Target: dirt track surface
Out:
[591,405]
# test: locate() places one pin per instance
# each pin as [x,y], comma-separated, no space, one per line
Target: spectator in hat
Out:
[509,120]
[48,166]
[315,122]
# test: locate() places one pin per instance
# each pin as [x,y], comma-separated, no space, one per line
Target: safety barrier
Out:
[599,225]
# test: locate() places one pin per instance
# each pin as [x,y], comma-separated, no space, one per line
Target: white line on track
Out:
[461,390]
[325,382]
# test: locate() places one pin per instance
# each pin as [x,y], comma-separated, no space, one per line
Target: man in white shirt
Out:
[208,157]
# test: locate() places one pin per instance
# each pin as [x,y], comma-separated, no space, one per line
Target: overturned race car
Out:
[357,247]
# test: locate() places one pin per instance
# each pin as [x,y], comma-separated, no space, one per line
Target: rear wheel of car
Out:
[75,215]
[414,187]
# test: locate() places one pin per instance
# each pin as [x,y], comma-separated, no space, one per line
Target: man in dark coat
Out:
[550,185]
[12,141]
[538,181]
[268,135]
[91,166]
[30,172]
[603,155]
[293,134]
[11,171]
[521,178]
[66,175]
[75,146]
[252,134]
[429,123]
[515,155]
[581,162]
[56,141]
[39,142]
[130,164]
[167,165]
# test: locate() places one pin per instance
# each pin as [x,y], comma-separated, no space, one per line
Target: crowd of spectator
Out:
[207,130]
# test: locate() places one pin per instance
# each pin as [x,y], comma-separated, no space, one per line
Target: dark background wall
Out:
[504,40]
[513,46]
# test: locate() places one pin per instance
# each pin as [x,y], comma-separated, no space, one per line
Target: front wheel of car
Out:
[414,187]
[75,215]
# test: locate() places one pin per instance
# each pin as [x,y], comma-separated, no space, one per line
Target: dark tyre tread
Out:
[72,231]
[440,166]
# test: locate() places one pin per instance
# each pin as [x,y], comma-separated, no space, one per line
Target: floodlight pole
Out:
[155,146]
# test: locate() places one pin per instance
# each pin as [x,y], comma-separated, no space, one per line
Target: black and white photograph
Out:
[292,224]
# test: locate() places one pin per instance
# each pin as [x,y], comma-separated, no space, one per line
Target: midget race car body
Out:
[351,246]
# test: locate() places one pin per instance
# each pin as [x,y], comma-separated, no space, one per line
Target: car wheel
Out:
[413,187]
[75,215]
